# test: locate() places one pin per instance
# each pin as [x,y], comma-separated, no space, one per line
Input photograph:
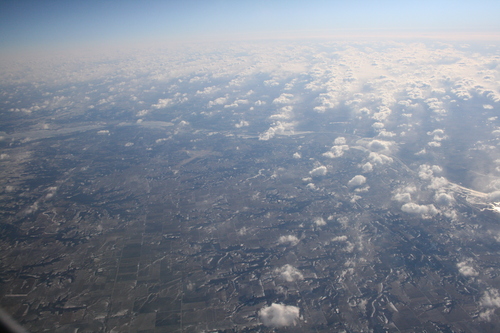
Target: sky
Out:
[56,23]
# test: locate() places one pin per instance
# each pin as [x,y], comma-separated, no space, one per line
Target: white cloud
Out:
[425,171]
[489,301]
[279,315]
[319,171]
[339,141]
[339,239]
[208,90]
[319,221]
[434,144]
[218,101]
[286,113]
[466,270]
[494,196]
[386,134]
[357,181]
[379,145]
[289,239]
[444,199]
[367,167]
[283,99]
[438,183]
[289,273]
[242,123]
[297,155]
[271,83]
[413,208]
[162,103]
[438,135]
[278,128]
[381,159]
[402,197]
[336,151]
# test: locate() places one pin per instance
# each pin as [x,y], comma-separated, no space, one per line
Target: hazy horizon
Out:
[32,25]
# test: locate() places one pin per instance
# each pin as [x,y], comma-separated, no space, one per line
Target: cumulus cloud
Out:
[289,239]
[466,270]
[208,90]
[489,302]
[494,196]
[402,197]
[279,315]
[379,145]
[357,180]
[162,103]
[339,238]
[336,151]
[438,134]
[438,183]
[386,134]
[434,144]
[283,99]
[242,123]
[444,199]
[271,83]
[297,155]
[426,171]
[380,159]
[319,171]
[286,113]
[218,101]
[278,128]
[289,273]
[339,141]
[413,208]
[367,167]
[319,221]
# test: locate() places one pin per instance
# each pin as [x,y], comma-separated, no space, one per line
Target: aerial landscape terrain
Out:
[312,185]
[250,166]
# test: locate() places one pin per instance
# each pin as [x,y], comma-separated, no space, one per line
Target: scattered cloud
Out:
[466,269]
[319,171]
[380,159]
[289,239]
[217,101]
[319,221]
[283,99]
[367,167]
[357,180]
[242,123]
[424,210]
[490,301]
[162,103]
[379,145]
[279,315]
[280,128]
[289,273]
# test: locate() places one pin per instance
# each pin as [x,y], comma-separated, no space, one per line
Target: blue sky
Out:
[51,23]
